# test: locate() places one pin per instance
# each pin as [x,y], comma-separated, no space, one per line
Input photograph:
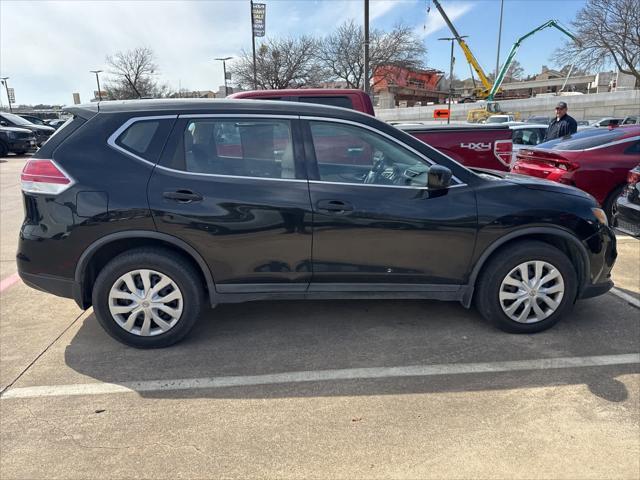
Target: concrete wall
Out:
[581,107]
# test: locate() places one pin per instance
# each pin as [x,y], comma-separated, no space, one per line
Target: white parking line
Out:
[626,297]
[319,376]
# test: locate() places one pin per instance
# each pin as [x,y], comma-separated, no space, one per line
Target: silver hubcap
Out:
[531,292]
[145,302]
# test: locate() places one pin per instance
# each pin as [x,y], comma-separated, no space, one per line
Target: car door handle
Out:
[334,206]
[183,196]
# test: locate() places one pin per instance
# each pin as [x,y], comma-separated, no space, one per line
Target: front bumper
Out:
[602,253]
[627,217]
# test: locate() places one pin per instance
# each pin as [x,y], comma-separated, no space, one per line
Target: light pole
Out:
[452,60]
[224,70]
[366,47]
[6,87]
[98,82]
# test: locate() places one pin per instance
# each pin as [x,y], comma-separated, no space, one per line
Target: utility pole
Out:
[499,38]
[224,69]
[451,62]
[98,82]
[366,47]
[6,87]
[253,47]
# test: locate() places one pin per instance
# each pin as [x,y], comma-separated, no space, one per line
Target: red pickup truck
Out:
[481,146]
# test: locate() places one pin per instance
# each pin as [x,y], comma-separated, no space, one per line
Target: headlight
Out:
[600,215]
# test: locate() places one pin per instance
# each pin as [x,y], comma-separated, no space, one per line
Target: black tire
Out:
[609,204]
[4,150]
[161,260]
[504,261]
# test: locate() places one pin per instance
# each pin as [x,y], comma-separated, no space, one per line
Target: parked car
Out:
[33,119]
[501,119]
[57,122]
[595,160]
[631,120]
[183,203]
[627,210]
[472,145]
[42,132]
[525,135]
[607,122]
[539,119]
[16,140]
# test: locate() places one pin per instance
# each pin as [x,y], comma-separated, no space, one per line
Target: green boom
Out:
[514,50]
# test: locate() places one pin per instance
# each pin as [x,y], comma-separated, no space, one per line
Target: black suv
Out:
[150,209]
[16,140]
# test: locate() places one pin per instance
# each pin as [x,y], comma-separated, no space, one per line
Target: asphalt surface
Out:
[336,389]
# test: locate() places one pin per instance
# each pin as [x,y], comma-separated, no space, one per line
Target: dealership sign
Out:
[258,13]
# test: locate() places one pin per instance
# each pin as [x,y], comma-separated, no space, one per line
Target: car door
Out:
[235,189]
[375,223]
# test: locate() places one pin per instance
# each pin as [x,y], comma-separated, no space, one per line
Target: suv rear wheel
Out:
[527,287]
[148,297]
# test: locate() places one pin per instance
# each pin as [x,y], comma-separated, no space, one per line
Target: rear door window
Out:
[244,147]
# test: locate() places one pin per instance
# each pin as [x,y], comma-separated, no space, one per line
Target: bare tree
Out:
[514,72]
[609,34]
[341,53]
[133,73]
[280,63]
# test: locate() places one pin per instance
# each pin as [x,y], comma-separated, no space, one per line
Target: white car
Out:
[501,119]
[607,122]
[524,135]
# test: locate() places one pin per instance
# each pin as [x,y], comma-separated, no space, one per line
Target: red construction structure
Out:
[393,84]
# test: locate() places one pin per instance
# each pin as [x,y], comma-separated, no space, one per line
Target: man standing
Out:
[562,125]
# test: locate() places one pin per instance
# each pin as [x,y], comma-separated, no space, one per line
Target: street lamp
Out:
[98,82]
[224,69]
[6,86]
[451,61]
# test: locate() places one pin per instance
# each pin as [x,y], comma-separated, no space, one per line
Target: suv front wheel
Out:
[148,297]
[527,287]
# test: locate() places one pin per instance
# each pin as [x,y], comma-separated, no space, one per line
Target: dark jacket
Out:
[561,128]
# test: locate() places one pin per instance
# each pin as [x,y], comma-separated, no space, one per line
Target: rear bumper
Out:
[58,286]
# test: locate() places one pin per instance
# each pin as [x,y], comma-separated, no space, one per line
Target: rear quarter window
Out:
[144,138]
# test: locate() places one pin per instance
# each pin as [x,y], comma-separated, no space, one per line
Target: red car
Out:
[595,160]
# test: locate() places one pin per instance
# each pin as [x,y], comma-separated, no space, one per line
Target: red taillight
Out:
[633,177]
[44,176]
[503,150]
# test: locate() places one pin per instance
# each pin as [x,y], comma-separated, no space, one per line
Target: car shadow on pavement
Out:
[277,337]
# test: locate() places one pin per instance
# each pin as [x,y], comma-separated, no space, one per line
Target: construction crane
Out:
[514,49]
[486,83]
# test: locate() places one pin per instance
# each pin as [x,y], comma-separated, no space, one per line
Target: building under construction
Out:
[395,86]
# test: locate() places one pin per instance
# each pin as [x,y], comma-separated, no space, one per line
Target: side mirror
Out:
[438,178]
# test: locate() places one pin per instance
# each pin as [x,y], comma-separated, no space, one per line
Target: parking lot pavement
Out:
[341,389]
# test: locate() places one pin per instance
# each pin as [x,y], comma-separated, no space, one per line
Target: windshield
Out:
[584,139]
[497,119]
[10,117]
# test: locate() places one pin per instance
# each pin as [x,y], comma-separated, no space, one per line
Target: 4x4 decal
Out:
[478,147]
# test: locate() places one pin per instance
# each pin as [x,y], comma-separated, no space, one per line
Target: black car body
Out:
[42,132]
[627,209]
[280,200]
[16,140]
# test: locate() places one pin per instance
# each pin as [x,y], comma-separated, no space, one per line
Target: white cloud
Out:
[434,21]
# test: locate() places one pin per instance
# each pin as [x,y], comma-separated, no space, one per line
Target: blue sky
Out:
[73,37]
